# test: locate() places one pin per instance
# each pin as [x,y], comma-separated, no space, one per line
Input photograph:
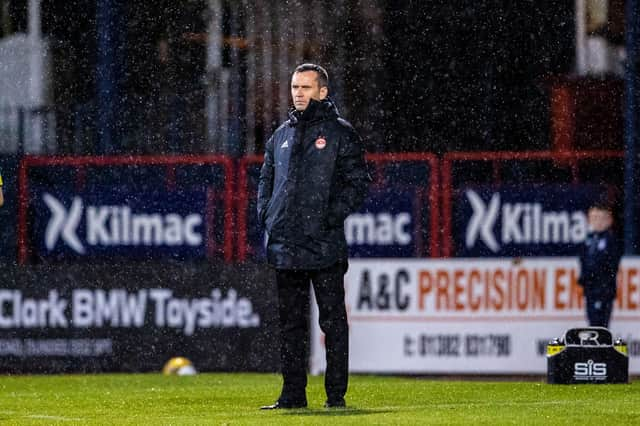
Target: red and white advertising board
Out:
[474,316]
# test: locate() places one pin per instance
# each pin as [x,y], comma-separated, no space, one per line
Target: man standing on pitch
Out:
[314,175]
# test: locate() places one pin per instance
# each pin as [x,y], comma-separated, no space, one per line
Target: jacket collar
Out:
[316,111]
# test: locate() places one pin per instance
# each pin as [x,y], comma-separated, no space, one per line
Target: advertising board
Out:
[476,316]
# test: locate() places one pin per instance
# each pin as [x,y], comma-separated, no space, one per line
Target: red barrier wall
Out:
[237,192]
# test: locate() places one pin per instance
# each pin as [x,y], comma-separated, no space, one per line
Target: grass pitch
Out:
[233,399]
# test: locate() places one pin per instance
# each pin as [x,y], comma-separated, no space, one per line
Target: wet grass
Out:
[233,399]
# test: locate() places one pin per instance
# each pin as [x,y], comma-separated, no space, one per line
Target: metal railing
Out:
[27,130]
[168,125]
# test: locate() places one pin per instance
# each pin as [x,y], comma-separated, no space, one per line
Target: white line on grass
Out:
[465,404]
[57,418]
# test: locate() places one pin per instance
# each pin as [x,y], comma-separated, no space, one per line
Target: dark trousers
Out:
[293,306]
[599,311]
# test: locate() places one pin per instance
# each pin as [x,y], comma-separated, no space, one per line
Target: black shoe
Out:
[335,403]
[285,404]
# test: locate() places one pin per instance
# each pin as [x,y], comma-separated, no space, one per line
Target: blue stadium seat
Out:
[57,177]
[200,175]
[414,173]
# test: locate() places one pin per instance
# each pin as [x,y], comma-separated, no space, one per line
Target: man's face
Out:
[599,220]
[304,87]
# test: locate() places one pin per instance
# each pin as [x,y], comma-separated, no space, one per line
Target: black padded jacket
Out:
[313,176]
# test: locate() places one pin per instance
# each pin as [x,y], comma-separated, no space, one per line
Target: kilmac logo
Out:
[521,223]
[117,225]
[378,229]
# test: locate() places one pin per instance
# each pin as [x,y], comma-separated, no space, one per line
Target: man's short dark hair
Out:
[323,76]
[602,205]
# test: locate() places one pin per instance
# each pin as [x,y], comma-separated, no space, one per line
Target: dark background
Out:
[412,76]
